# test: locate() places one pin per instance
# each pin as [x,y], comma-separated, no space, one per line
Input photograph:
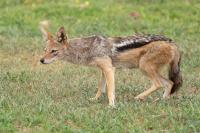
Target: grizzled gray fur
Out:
[88,48]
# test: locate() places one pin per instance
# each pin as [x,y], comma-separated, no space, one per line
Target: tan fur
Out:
[150,59]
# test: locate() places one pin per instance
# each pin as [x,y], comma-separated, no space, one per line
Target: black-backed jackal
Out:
[146,52]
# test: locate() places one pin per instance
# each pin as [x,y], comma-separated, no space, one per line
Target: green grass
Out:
[37,98]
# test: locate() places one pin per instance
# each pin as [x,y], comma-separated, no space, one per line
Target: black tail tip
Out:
[177,84]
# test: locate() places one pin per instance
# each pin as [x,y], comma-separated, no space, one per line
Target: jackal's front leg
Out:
[105,64]
[110,81]
[101,87]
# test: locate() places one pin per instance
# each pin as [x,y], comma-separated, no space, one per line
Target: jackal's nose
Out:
[42,61]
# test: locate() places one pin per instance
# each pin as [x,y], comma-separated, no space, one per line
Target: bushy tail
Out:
[175,73]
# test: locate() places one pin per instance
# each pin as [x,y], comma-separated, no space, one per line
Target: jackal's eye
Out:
[54,50]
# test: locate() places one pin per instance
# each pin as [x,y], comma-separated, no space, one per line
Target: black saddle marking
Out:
[139,41]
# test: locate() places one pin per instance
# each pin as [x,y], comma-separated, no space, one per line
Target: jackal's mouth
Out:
[44,62]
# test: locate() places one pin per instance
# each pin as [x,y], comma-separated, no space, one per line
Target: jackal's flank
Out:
[149,53]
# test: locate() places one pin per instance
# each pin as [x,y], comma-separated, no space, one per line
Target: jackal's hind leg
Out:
[101,87]
[155,86]
[150,63]
[160,82]
[152,72]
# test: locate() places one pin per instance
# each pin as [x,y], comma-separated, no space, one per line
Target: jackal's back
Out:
[121,44]
[127,51]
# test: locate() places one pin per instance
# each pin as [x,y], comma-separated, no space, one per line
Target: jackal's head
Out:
[54,47]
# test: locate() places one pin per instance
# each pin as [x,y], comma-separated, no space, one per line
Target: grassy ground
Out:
[53,98]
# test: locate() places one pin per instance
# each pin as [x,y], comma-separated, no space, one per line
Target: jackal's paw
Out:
[141,98]
[166,97]
[112,105]
[112,102]
[166,94]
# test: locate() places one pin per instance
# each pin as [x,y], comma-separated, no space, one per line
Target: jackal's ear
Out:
[44,29]
[61,35]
